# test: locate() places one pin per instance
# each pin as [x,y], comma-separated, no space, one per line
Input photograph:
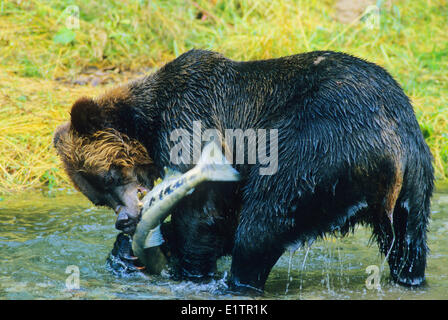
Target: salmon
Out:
[157,203]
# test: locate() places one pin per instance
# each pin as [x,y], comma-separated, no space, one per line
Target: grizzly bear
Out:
[349,151]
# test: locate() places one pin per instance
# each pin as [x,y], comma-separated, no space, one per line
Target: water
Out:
[41,236]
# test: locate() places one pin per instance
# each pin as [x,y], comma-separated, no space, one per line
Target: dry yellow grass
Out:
[30,110]
[411,42]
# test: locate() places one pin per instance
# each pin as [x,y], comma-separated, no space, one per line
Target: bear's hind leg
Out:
[404,246]
[407,260]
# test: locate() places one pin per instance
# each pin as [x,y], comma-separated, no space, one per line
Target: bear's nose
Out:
[125,221]
[122,220]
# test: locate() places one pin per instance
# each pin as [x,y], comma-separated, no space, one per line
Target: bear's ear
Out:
[59,132]
[86,116]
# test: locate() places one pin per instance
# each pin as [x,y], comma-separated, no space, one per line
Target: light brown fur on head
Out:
[99,151]
[102,156]
[108,167]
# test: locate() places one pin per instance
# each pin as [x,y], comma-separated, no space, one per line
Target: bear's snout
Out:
[125,222]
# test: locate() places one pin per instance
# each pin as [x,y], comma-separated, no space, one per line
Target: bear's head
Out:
[106,165]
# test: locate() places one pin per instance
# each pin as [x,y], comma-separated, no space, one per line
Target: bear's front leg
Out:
[257,248]
[199,232]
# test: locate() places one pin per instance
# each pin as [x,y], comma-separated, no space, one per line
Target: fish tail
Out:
[214,165]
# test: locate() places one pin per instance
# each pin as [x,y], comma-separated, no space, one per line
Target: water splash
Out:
[291,254]
[302,269]
[388,252]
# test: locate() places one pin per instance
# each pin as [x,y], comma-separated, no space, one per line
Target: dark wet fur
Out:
[350,151]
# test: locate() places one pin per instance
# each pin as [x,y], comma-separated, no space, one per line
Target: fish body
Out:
[157,203]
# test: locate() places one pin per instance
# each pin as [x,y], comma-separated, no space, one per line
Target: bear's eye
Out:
[115,178]
[111,184]
[111,179]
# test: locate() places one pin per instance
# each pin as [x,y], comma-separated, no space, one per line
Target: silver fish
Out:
[157,203]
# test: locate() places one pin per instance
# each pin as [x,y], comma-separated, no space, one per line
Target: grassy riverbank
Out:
[45,66]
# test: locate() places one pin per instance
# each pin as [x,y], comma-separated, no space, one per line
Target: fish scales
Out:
[157,203]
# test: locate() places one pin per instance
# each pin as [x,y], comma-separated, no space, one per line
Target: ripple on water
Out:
[41,236]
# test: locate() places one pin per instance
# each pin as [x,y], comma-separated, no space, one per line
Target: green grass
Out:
[36,48]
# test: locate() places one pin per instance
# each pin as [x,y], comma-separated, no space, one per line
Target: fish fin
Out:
[154,238]
[214,165]
[171,173]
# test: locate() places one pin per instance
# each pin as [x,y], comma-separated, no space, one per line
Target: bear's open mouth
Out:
[141,192]
[129,209]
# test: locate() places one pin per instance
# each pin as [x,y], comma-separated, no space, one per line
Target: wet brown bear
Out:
[349,151]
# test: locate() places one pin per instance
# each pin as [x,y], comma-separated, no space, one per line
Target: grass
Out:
[40,57]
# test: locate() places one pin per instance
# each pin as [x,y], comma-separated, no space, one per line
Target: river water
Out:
[45,240]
